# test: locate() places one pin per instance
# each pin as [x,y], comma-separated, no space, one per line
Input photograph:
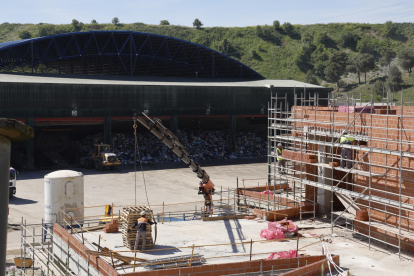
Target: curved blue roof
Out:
[120,53]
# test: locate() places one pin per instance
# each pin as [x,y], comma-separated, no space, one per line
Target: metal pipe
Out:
[400,169]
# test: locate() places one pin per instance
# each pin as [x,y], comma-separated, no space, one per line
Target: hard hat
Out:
[143,213]
[279,144]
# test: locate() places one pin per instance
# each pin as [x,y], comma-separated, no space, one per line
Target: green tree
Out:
[348,40]
[333,72]
[365,45]
[406,59]
[388,55]
[321,38]
[319,68]
[306,37]
[394,77]
[354,66]
[258,30]
[115,21]
[366,63]
[335,67]
[24,34]
[94,21]
[389,29]
[378,88]
[276,25]
[303,57]
[197,23]
[361,63]
[311,78]
[318,59]
[45,30]
[288,28]
[164,22]
[77,26]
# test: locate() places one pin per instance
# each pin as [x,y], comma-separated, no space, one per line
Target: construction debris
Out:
[180,261]
[103,251]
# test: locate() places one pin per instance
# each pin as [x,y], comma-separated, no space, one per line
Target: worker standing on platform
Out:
[280,159]
[141,230]
[346,153]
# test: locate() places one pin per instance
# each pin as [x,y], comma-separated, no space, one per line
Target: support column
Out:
[5,146]
[10,130]
[174,124]
[325,174]
[30,147]
[232,133]
[107,130]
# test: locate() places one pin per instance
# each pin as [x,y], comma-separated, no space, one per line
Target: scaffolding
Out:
[312,128]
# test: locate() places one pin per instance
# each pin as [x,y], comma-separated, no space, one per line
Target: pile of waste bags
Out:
[200,144]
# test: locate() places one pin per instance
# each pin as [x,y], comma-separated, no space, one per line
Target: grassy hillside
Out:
[277,53]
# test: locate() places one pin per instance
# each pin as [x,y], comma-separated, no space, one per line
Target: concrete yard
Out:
[174,183]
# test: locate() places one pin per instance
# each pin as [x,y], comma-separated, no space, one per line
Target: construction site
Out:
[310,202]
[334,197]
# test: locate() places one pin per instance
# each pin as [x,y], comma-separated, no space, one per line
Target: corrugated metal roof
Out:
[144,81]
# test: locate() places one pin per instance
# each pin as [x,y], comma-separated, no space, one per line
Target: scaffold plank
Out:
[361,148]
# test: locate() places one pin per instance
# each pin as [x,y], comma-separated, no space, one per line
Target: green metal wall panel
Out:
[36,100]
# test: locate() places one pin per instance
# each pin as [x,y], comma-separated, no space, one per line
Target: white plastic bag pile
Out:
[201,144]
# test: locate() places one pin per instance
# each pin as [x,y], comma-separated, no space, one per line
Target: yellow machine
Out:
[108,215]
[101,158]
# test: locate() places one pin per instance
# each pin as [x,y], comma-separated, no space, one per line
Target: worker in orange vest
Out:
[141,230]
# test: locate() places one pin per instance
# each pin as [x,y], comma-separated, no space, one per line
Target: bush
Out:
[24,34]
[288,28]
[45,30]
[378,88]
[394,77]
[276,24]
[342,83]
[311,78]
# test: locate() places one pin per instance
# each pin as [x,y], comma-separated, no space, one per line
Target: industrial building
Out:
[92,82]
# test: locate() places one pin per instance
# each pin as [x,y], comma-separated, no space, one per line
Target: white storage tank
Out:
[64,190]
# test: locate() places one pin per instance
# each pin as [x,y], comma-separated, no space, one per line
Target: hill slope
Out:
[278,53]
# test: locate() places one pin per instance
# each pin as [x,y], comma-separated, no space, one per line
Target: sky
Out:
[226,13]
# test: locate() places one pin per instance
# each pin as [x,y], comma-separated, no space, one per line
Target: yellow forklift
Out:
[101,158]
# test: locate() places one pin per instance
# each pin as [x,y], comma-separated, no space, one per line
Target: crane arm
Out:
[155,126]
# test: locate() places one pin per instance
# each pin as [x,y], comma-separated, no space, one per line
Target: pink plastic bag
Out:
[272,235]
[282,255]
[267,192]
[274,226]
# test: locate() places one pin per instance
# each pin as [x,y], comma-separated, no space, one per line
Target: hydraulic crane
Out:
[155,126]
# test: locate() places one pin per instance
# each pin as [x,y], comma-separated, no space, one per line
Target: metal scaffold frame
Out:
[296,133]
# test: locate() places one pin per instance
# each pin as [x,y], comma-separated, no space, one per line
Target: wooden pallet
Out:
[129,217]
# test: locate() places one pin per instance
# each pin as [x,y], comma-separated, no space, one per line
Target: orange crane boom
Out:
[155,126]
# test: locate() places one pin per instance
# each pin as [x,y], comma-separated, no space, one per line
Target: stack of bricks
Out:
[130,215]
[295,156]
[112,227]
